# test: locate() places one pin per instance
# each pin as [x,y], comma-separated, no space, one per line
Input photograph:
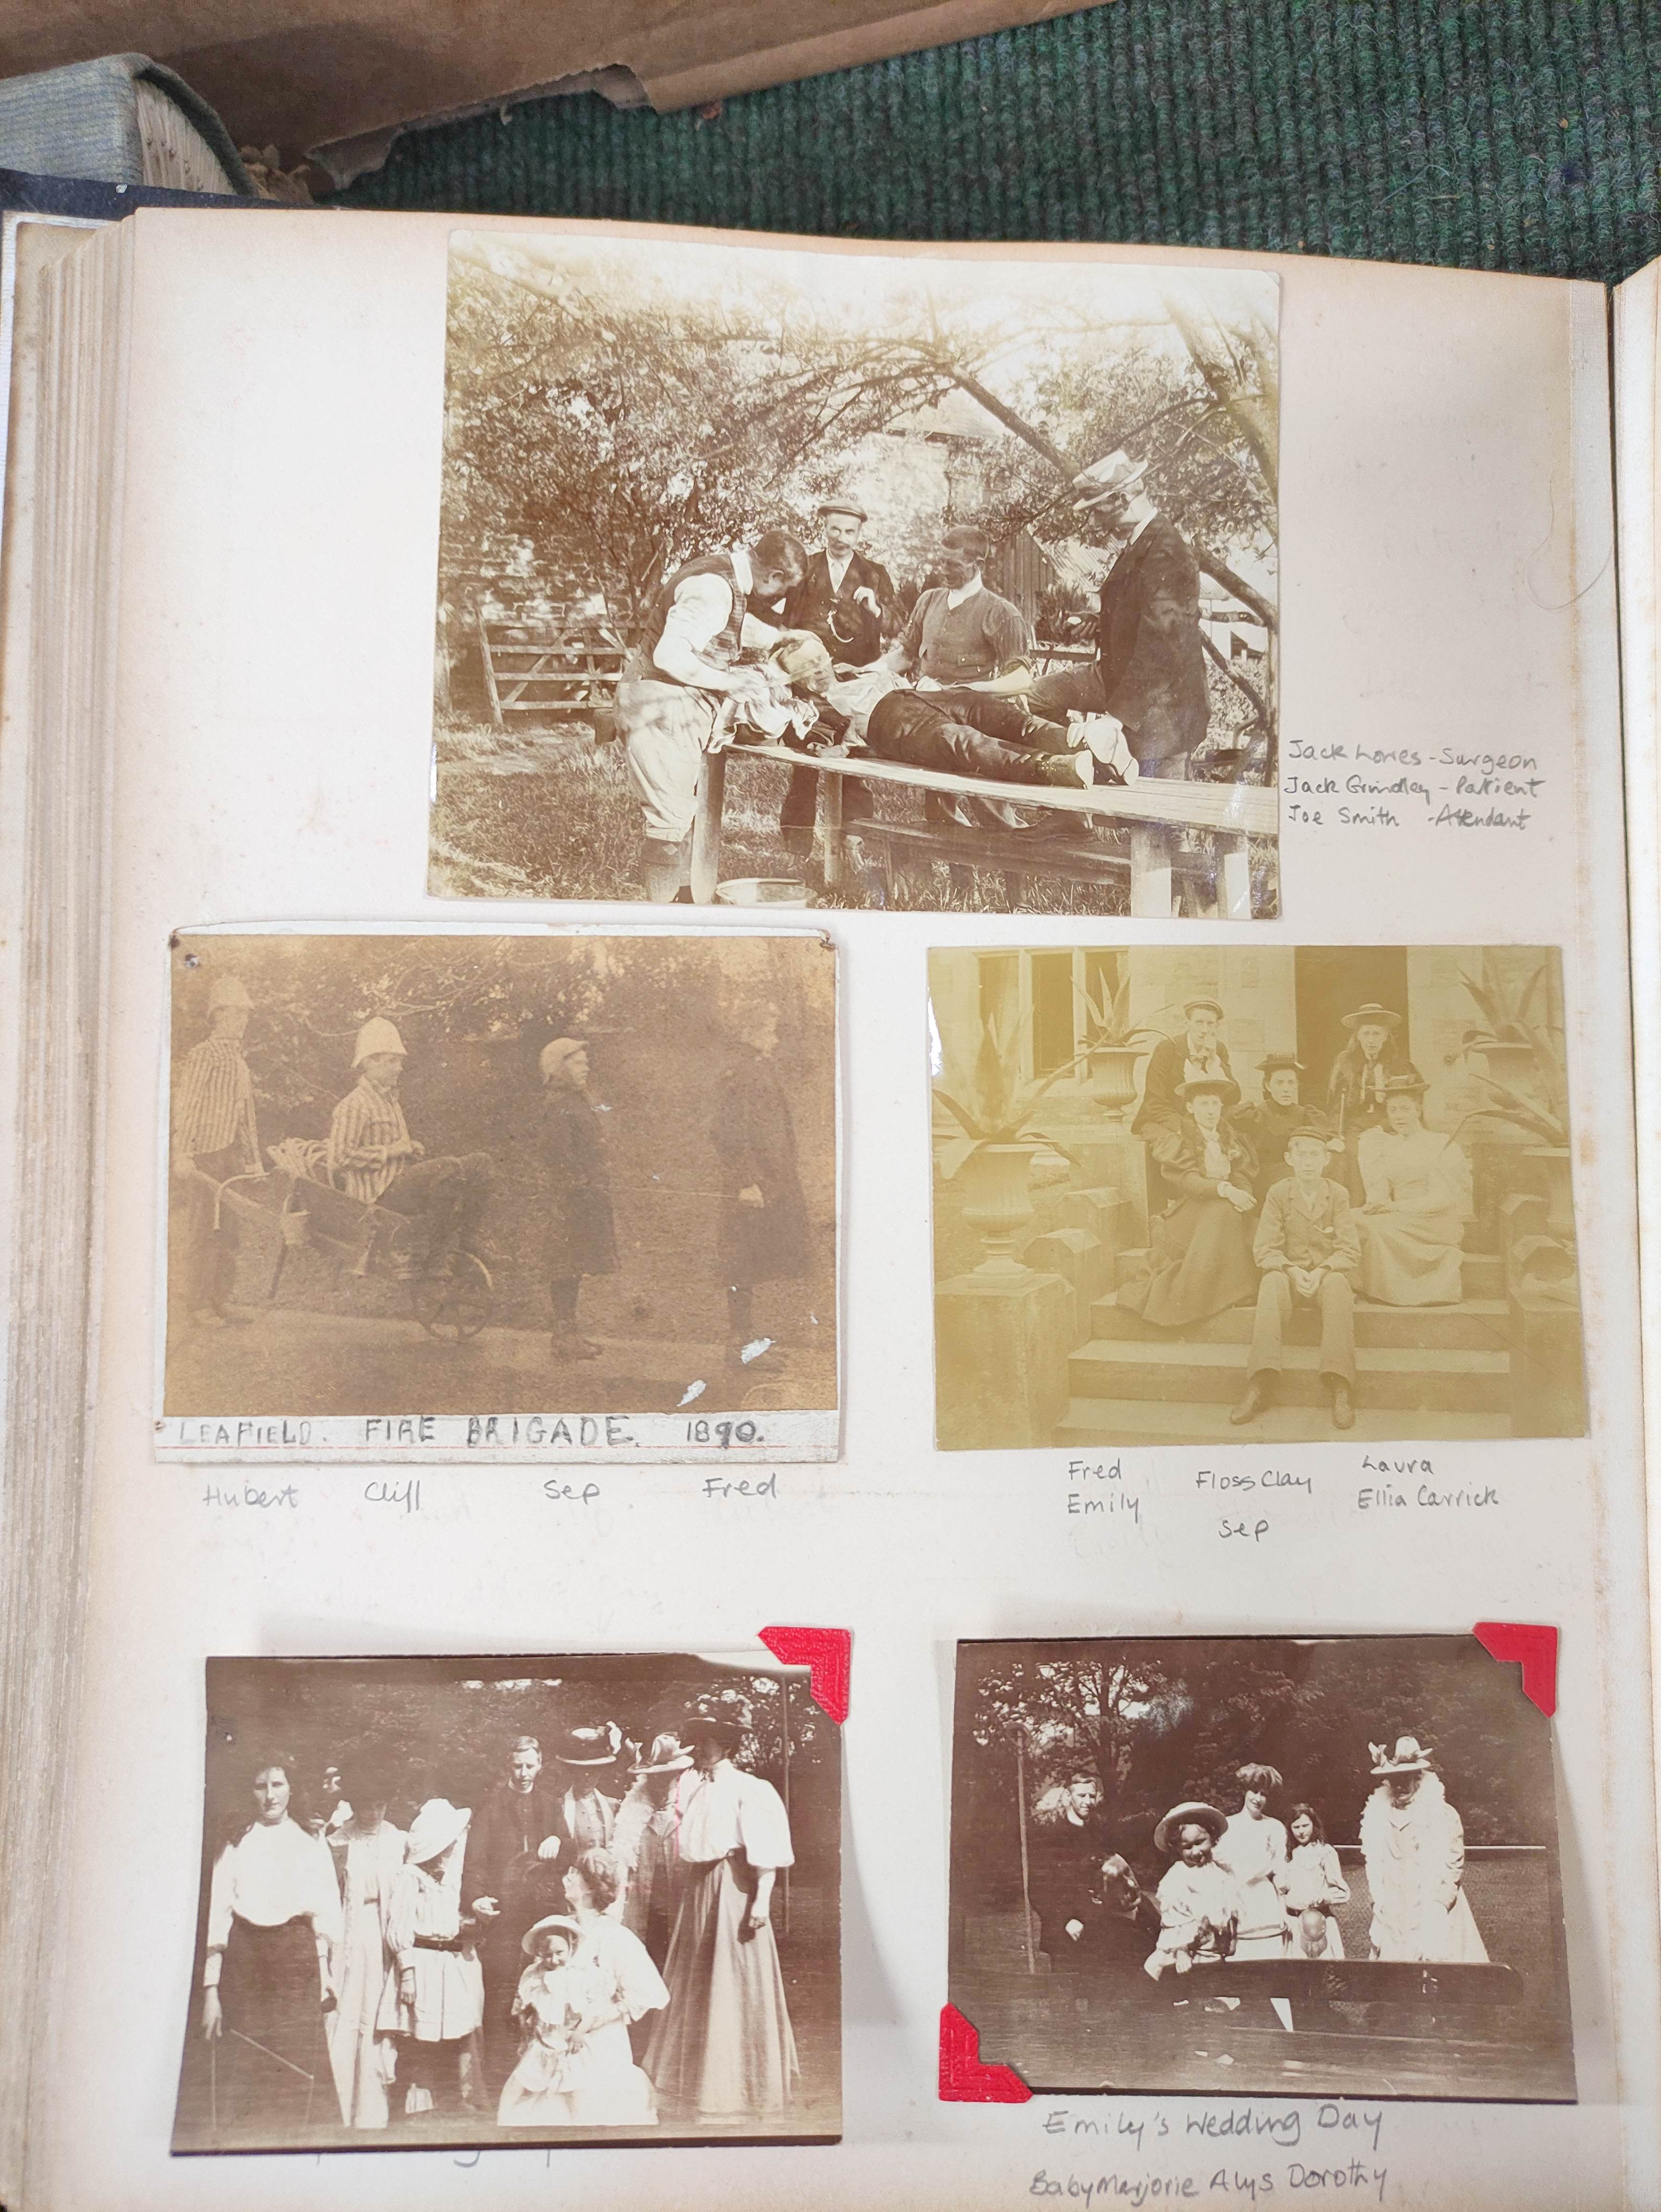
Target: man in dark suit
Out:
[1198,1054]
[849,600]
[1149,671]
[518,1845]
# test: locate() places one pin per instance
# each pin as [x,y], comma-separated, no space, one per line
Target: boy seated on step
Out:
[1309,1248]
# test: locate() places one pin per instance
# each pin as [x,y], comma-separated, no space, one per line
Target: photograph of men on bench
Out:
[810,579]
[1197,1195]
[471,1174]
[1325,1866]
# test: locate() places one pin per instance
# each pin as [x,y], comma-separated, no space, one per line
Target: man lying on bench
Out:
[960,731]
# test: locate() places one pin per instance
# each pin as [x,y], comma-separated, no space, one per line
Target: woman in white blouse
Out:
[1253,1848]
[723,2050]
[368,1852]
[273,1919]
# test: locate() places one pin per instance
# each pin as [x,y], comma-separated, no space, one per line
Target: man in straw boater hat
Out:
[1148,676]
[214,1135]
[582,1237]
[1309,1247]
[1355,1088]
[373,1158]
[1413,1846]
[1199,1900]
[681,676]
[1197,1053]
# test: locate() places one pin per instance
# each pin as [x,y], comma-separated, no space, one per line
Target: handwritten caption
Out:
[1341,2146]
[1253,1504]
[1337,786]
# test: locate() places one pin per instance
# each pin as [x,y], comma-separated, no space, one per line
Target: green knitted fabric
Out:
[1490,134]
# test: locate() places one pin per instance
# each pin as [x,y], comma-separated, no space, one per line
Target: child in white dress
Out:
[1314,1887]
[550,2009]
[1199,1900]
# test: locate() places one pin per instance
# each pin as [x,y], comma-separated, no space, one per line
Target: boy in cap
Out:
[1309,1247]
[372,1156]
[214,1135]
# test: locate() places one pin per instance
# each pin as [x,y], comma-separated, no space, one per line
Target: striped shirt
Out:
[366,1122]
[213,1102]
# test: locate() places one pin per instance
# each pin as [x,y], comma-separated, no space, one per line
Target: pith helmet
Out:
[377,1035]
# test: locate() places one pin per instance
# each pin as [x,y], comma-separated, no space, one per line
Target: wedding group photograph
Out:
[1259,1865]
[485,1174]
[1287,1195]
[772,578]
[558,1900]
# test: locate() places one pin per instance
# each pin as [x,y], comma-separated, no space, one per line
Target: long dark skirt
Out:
[272,2065]
[582,1239]
[1201,1264]
[766,1243]
[723,2049]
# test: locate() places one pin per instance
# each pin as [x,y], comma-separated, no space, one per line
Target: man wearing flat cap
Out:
[1149,671]
[849,601]
[1197,1055]
[1309,1247]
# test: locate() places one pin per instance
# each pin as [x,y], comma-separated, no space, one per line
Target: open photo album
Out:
[830,1190]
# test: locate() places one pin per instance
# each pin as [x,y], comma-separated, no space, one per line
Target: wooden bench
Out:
[1152,810]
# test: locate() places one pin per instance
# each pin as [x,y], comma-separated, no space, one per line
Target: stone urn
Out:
[1509,1064]
[1557,1187]
[1113,1075]
[999,1203]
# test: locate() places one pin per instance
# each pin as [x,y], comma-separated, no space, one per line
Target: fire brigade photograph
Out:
[1194,1195]
[461,1173]
[1258,1866]
[801,578]
[558,1901]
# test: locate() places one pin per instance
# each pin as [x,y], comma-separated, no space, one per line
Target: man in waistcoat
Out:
[681,675]
[1149,671]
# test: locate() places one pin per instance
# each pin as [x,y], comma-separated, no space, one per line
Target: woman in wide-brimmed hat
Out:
[433,1999]
[588,1757]
[1199,1900]
[724,2050]
[1253,1848]
[644,1845]
[1201,1259]
[1356,1087]
[1418,1200]
[1413,1845]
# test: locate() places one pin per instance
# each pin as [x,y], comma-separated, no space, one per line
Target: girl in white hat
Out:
[434,1997]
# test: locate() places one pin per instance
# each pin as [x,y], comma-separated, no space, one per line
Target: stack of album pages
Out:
[831,1120]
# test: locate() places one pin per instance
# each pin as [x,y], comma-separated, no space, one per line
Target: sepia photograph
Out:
[549,1193]
[1304,1866]
[1204,1196]
[799,577]
[467,1901]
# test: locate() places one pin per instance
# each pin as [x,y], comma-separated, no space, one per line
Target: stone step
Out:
[1483,1275]
[1476,1325]
[1102,1424]
[1457,1382]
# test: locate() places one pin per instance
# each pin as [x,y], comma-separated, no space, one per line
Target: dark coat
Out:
[582,1240]
[1160,1105]
[1148,641]
[500,1860]
[755,1142]
[851,634]
[1266,1128]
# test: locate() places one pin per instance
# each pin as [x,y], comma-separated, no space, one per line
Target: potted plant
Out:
[1113,1047]
[1539,1115]
[995,1143]
[1510,1043]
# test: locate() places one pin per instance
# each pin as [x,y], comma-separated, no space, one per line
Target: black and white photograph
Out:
[904,580]
[1293,1194]
[552,1901]
[548,1194]
[1312,1866]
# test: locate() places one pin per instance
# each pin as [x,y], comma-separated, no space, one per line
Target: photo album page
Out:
[866,1373]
